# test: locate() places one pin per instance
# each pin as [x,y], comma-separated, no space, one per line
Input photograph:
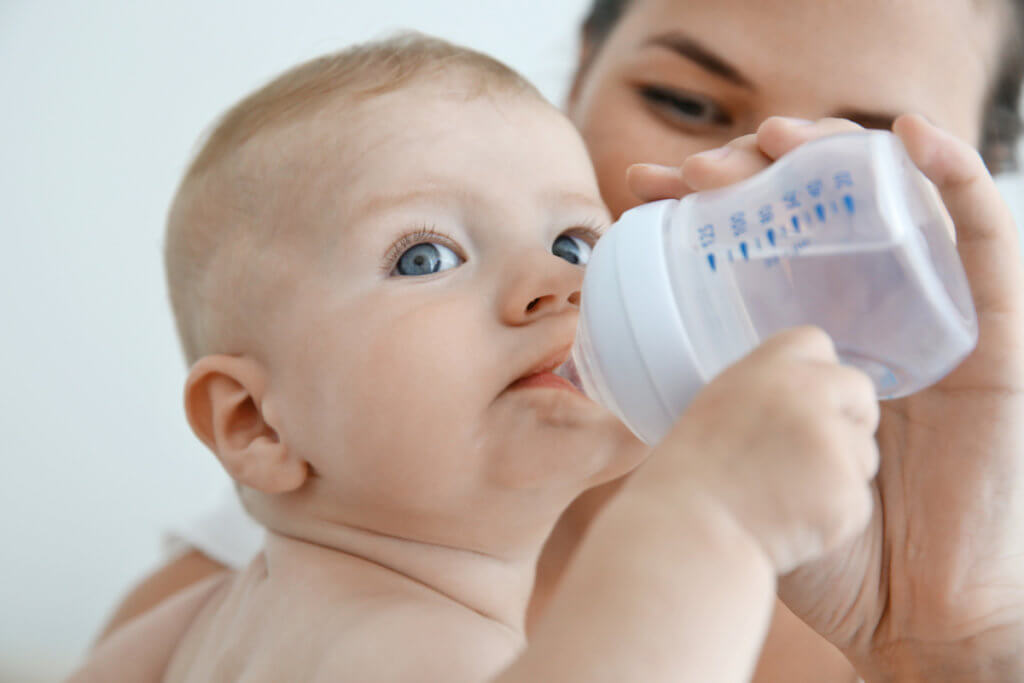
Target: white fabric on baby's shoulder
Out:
[225,533]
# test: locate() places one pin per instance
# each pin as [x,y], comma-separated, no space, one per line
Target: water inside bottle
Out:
[847,243]
[862,298]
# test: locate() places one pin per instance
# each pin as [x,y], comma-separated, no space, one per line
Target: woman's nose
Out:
[539,286]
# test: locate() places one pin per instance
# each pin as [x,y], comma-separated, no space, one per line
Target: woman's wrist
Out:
[987,658]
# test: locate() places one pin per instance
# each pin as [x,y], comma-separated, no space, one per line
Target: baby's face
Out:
[438,287]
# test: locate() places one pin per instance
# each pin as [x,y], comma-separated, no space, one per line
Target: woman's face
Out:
[675,77]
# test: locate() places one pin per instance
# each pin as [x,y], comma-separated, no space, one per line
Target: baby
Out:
[375,264]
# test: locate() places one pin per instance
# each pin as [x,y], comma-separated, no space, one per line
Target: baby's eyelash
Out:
[421,235]
[590,229]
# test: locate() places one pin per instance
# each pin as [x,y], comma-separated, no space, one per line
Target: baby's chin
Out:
[557,409]
[563,446]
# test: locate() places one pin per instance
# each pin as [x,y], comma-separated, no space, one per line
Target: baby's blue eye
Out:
[426,258]
[572,249]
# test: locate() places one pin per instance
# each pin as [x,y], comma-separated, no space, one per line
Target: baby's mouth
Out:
[557,371]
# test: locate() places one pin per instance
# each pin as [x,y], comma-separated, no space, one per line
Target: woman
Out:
[934,589]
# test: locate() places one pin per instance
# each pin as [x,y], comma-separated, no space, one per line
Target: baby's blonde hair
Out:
[212,242]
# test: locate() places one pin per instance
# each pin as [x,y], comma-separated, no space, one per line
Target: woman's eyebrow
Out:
[690,49]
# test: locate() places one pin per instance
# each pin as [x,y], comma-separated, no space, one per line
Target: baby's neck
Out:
[494,587]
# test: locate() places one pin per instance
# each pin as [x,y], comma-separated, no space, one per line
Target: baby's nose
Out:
[549,300]
[544,287]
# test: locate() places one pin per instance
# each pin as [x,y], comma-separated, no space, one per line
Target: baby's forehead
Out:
[297,170]
[417,141]
[345,138]
[351,134]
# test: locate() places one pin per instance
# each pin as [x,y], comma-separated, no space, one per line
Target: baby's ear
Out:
[224,402]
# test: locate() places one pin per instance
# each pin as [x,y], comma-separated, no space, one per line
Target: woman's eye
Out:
[687,108]
[426,258]
[572,249]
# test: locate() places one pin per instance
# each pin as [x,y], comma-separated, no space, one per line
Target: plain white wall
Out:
[101,105]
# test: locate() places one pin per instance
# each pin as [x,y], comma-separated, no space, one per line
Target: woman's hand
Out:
[934,587]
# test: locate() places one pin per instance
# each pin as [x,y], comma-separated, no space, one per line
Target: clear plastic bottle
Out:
[844,233]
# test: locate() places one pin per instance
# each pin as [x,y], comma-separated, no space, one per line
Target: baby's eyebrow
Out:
[574,198]
[436,195]
[452,195]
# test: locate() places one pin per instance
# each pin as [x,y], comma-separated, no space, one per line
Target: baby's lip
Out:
[549,363]
[546,365]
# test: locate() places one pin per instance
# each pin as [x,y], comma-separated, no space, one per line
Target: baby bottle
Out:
[844,233]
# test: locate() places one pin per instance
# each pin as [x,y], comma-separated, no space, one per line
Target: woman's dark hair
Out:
[1001,124]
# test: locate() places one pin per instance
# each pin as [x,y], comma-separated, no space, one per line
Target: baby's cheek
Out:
[418,379]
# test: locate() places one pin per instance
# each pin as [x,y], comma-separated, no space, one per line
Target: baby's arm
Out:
[140,649]
[656,596]
[770,467]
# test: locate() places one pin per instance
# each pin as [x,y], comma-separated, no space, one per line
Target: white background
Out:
[100,105]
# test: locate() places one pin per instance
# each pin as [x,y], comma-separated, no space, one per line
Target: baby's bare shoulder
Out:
[140,649]
[412,640]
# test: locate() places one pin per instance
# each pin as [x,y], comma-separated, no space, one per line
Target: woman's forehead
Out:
[855,54]
[845,15]
[798,31]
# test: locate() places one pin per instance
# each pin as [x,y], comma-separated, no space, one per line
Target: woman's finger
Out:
[779,135]
[731,163]
[726,165]
[650,182]
[986,233]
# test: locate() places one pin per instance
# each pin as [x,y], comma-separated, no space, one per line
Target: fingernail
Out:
[655,168]
[796,121]
[716,154]
[931,122]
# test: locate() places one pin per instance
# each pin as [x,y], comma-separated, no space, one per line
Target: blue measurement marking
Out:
[743,250]
[796,223]
[711,261]
[820,210]
[757,242]
[835,207]
[730,256]
[770,234]
[707,235]
[848,201]
[738,221]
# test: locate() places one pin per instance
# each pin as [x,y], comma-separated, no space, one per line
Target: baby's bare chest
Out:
[259,631]
[258,634]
